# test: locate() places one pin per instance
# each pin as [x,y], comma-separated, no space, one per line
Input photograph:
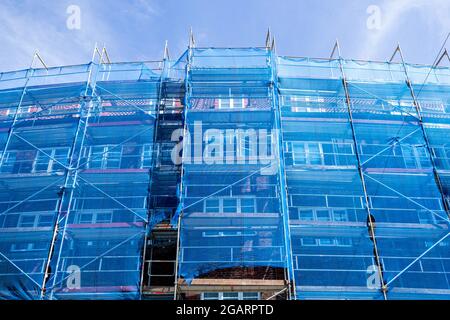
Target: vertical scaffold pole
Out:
[281,171]
[67,190]
[152,169]
[185,130]
[370,221]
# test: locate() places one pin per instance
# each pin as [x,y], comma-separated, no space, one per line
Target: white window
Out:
[230,205]
[35,220]
[104,157]
[415,156]
[216,234]
[50,160]
[232,103]
[310,153]
[323,215]
[230,296]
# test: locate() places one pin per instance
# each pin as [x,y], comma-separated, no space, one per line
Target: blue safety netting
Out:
[232,214]
[331,248]
[284,166]
[76,154]
[405,200]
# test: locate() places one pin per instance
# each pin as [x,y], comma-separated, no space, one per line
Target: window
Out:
[113,155]
[230,296]
[314,154]
[232,103]
[210,296]
[212,205]
[45,220]
[215,234]
[42,162]
[230,205]
[414,156]
[29,246]
[343,148]
[298,153]
[340,215]
[308,242]
[60,154]
[426,217]
[130,157]
[96,157]
[248,205]
[103,217]
[50,160]
[105,157]
[18,162]
[98,217]
[6,167]
[86,218]
[147,156]
[27,221]
[31,220]
[19,247]
[306,215]
[307,153]
[344,242]
[250,295]
[323,215]
[326,242]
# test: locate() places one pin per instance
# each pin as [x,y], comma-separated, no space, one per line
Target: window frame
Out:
[238,204]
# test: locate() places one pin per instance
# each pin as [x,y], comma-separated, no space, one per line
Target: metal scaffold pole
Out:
[154,163]
[281,171]
[67,190]
[185,130]
[370,221]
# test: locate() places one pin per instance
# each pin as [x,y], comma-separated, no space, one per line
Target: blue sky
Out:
[136,29]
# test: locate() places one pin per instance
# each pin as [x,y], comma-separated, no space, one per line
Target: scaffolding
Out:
[229,172]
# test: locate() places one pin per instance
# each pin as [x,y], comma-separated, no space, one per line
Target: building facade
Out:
[230,173]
